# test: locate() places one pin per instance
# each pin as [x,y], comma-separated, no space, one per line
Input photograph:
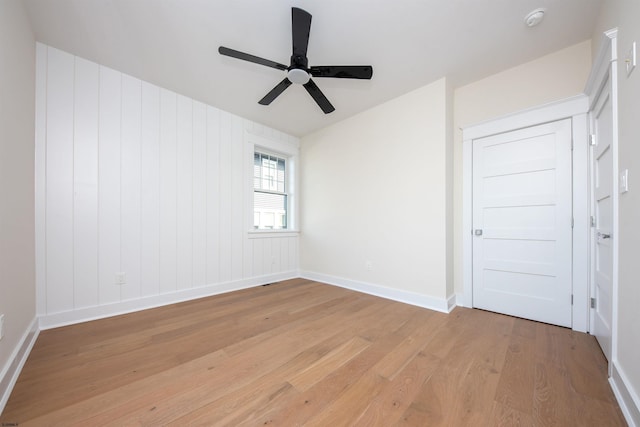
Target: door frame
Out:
[604,66]
[576,109]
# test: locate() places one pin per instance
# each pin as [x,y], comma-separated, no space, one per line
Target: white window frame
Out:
[288,150]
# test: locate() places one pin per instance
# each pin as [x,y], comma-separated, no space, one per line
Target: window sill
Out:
[265,234]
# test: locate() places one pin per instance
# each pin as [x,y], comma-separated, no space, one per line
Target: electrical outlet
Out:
[1,326]
[121,278]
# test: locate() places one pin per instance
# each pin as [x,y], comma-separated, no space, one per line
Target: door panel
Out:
[603,188]
[522,204]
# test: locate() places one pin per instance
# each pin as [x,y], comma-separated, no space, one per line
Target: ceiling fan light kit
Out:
[298,70]
[298,75]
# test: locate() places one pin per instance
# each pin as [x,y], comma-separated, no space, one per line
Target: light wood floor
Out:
[301,352]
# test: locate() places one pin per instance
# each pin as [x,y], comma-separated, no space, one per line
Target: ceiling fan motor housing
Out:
[298,61]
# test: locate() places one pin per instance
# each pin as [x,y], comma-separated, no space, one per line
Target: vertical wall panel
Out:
[267,245]
[284,254]
[130,185]
[150,191]
[85,161]
[258,255]
[225,206]
[199,194]
[213,195]
[41,179]
[168,201]
[293,253]
[237,197]
[275,254]
[247,207]
[59,175]
[109,184]
[133,178]
[184,194]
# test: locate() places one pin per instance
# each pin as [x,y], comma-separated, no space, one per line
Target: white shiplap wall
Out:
[134,178]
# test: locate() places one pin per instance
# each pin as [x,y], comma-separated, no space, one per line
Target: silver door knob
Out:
[604,235]
[478,232]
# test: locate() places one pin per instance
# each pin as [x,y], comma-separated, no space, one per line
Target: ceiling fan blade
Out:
[319,97]
[275,92]
[343,71]
[251,58]
[300,27]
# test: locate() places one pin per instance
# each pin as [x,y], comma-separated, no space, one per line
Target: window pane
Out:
[267,207]
[270,199]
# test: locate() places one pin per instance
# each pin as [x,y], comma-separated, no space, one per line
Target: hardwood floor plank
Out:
[114,400]
[316,399]
[426,328]
[505,416]
[300,352]
[515,388]
[318,370]
[388,406]
[350,404]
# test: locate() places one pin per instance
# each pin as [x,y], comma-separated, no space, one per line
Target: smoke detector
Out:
[534,17]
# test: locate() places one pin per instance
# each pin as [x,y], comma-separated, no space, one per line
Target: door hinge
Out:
[592,139]
[573,222]
[571,299]
[593,303]
[593,221]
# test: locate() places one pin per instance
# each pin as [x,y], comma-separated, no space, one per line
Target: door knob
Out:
[604,235]
[478,232]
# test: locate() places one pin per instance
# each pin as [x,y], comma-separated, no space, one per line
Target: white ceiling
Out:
[409,43]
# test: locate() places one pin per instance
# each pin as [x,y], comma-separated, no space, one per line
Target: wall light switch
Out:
[630,59]
[624,181]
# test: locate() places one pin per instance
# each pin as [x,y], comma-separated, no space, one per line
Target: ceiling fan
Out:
[299,71]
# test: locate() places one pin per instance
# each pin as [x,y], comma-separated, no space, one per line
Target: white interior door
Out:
[522,223]
[602,190]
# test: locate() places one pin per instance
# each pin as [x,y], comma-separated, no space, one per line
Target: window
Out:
[270,187]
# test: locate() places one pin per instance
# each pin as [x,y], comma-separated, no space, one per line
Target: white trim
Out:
[604,69]
[451,302]
[459,299]
[16,362]
[92,313]
[268,234]
[582,224]
[599,70]
[562,109]
[288,149]
[575,108]
[625,395]
[432,303]
[467,224]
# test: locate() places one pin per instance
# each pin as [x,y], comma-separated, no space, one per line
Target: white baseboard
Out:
[460,300]
[432,303]
[12,369]
[55,320]
[452,302]
[626,395]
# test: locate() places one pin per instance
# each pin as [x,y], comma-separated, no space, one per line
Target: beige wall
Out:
[390,208]
[550,78]
[624,15]
[17,92]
